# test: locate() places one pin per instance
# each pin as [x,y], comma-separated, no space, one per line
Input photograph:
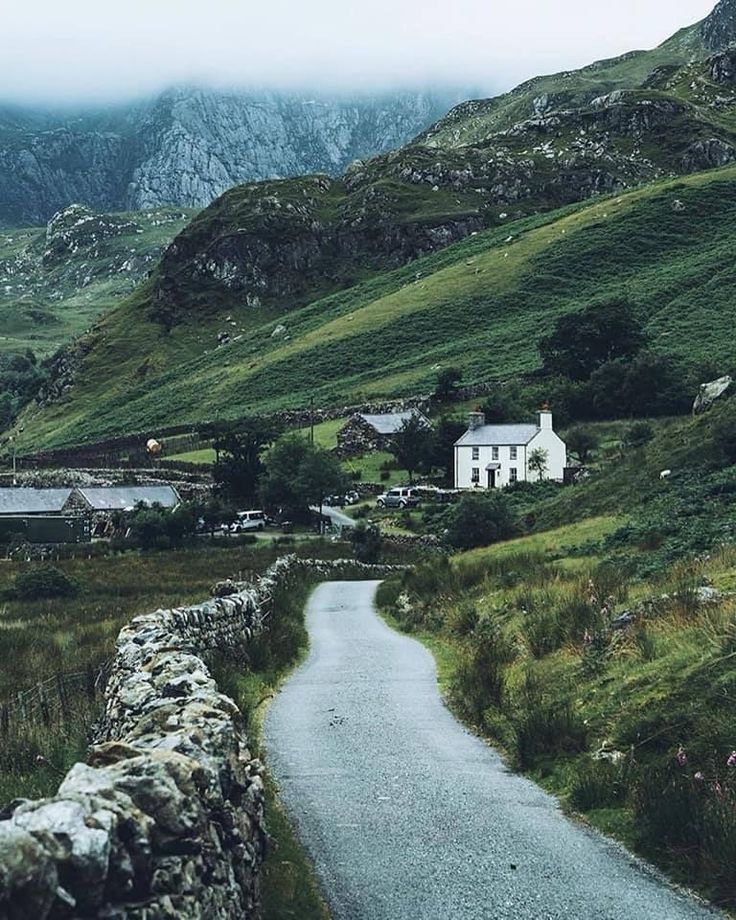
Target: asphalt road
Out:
[407,815]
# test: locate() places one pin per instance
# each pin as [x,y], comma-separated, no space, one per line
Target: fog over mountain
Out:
[83,50]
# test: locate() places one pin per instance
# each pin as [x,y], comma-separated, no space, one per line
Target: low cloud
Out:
[88,51]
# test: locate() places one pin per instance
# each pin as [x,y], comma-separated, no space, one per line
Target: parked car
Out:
[247,521]
[398,498]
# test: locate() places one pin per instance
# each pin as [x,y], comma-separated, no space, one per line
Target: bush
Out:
[366,542]
[43,581]
[479,519]
[385,475]
[639,434]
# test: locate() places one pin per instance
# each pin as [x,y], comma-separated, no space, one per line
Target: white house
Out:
[494,456]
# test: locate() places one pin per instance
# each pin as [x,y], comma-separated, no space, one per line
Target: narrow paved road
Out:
[408,816]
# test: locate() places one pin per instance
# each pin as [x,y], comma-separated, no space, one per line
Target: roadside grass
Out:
[535,667]
[290,887]
[42,638]
[205,456]
[387,334]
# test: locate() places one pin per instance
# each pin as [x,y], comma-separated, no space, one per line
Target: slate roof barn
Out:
[125,498]
[364,431]
[28,501]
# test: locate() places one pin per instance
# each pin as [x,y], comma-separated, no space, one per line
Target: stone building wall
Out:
[165,819]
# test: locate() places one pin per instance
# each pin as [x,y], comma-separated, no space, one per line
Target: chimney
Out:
[476,419]
[545,417]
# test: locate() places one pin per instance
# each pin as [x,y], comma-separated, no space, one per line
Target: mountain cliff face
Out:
[189,145]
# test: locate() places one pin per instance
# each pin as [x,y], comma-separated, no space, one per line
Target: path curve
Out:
[407,815]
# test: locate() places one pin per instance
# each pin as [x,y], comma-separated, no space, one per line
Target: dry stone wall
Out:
[165,819]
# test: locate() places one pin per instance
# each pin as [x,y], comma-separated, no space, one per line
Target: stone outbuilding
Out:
[364,432]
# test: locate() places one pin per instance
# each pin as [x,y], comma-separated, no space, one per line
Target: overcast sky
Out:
[71,50]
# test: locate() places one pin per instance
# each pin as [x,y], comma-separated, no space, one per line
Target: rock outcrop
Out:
[189,144]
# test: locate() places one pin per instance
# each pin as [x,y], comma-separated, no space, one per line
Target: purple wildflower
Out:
[700,777]
[731,762]
[681,757]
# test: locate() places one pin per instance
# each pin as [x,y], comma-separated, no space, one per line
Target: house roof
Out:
[391,422]
[497,435]
[122,498]
[32,501]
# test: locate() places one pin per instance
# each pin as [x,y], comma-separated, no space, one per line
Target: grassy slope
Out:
[575,87]
[44,306]
[481,305]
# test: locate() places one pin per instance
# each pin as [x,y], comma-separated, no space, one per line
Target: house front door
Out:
[491,479]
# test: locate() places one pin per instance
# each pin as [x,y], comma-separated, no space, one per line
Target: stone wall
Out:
[165,819]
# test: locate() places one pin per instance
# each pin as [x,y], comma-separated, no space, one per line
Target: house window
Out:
[494,453]
[475,478]
[513,473]
[513,453]
[476,453]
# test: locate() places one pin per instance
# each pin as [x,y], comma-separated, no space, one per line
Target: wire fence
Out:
[54,700]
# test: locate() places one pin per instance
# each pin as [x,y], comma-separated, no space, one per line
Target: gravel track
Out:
[408,816]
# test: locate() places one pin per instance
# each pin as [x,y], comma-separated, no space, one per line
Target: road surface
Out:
[408,816]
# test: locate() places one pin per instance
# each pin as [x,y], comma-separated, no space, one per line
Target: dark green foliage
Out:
[413,445]
[299,474]
[581,342]
[447,381]
[239,467]
[366,542]
[43,581]
[20,380]
[725,437]
[447,432]
[158,528]
[638,434]
[479,519]
[581,442]
[649,385]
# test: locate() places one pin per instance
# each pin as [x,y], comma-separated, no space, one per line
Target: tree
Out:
[320,475]
[581,342]
[366,541]
[537,462]
[582,442]
[298,474]
[413,445]
[479,519]
[447,380]
[239,467]
[449,430]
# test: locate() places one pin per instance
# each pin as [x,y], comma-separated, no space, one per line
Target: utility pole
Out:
[15,471]
[311,422]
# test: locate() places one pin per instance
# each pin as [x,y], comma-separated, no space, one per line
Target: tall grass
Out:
[541,671]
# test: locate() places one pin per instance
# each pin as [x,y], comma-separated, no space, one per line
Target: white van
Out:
[249,520]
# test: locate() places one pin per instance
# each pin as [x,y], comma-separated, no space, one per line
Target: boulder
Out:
[710,392]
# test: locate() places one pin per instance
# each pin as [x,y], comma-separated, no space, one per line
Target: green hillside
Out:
[472,122]
[56,281]
[481,305]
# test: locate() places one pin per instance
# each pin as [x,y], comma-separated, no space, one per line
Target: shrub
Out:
[366,542]
[43,581]
[385,475]
[639,434]
[479,519]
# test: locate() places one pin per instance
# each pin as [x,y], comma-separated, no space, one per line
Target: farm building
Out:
[364,432]
[494,456]
[71,515]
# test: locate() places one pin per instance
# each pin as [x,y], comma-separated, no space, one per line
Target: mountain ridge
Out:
[188,144]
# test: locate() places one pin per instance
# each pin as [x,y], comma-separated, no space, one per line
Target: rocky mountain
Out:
[56,281]
[189,144]
[317,257]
